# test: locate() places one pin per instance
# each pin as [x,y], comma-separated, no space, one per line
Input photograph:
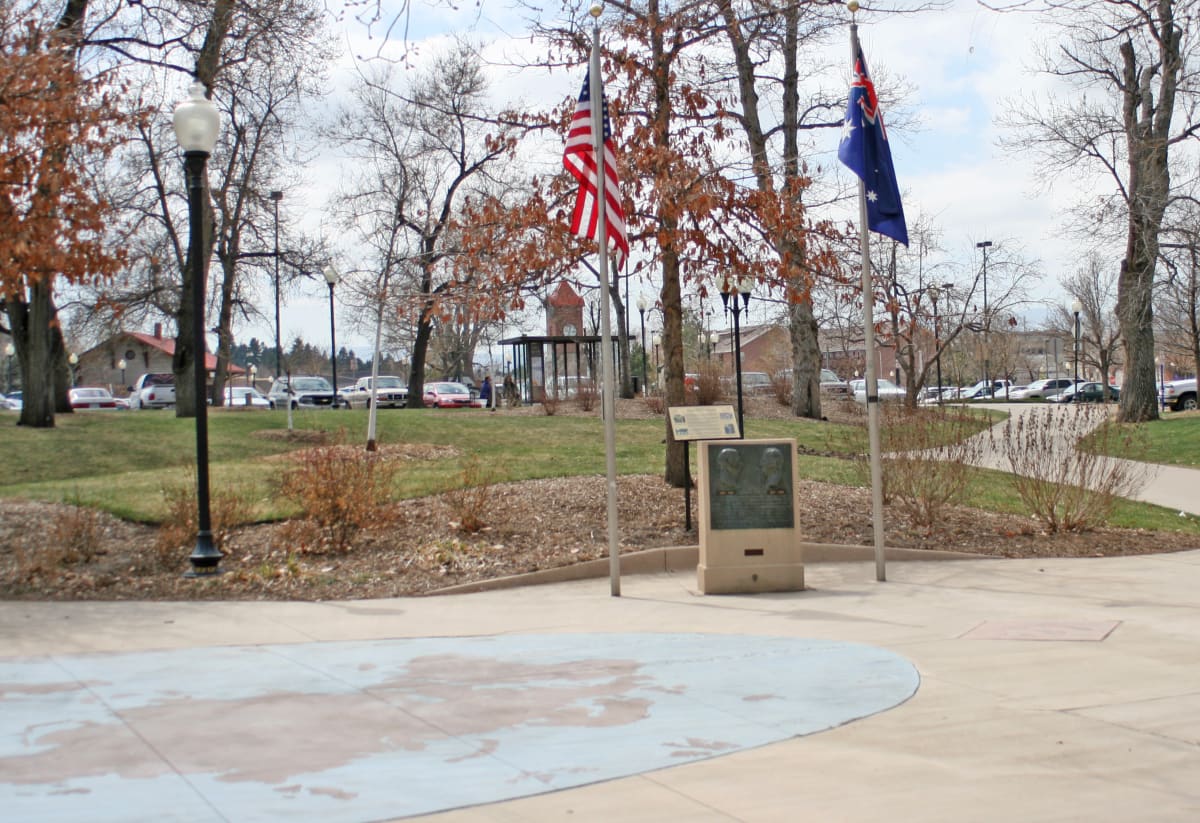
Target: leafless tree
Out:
[1132,99]
[1094,285]
[417,152]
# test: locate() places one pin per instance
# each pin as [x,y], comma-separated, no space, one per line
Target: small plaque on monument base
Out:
[747,508]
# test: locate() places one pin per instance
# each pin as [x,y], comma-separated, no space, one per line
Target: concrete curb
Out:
[684,559]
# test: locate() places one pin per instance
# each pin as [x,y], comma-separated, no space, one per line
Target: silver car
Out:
[307,392]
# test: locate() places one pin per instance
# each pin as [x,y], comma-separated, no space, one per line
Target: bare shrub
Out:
[73,538]
[708,388]
[1064,487]
[177,532]
[781,387]
[655,403]
[926,457]
[340,490]
[76,532]
[550,404]
[470,501]
[586,395]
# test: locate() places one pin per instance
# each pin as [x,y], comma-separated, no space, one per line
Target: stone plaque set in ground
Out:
[747,507]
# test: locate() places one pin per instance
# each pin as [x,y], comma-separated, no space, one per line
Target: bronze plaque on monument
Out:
[748,536]
[752,486]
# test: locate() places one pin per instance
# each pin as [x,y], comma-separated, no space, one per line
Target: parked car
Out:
[1085,393]
[246,397]
[984,391]
[390,392]
[834,386]
[1041,389]
[886,388]
[307,392]
[1180,395]
[15,400]
[446,395]
[86,397]
[153,390]
[756,382]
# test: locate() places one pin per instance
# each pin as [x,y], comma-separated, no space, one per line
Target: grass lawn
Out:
[1172,440]
[121,462]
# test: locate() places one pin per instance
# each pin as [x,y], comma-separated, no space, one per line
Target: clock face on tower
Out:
[569,329]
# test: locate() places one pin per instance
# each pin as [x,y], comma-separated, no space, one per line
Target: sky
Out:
[962,65]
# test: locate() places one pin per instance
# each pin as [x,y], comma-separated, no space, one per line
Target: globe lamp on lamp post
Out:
[197,124]
[643,305]
[730,293]
[332,278]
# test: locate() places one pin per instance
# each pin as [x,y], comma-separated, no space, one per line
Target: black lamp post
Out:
[1076,308]
[657,341]
[331,277]
[73,360]
[935,292]
[987,377]
[643,303]
[197,123]
[743,288]
[276,196]
[121,364]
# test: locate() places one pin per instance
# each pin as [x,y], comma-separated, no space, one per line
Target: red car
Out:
[87,398]
[447,395]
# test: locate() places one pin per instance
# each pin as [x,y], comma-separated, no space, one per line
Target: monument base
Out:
[750,579]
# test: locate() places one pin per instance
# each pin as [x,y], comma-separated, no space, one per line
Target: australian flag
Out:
[864,150]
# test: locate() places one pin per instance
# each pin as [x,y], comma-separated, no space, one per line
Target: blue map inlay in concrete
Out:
[360,731]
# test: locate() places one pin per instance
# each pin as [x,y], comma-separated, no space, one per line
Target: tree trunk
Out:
[806,360]
[420,350]
[63,374]
[30,325]
[622,337]
[672,342]
[1139,394]
[224,329]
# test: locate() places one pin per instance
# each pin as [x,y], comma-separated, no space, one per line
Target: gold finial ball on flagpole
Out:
[596,10]
[853,6]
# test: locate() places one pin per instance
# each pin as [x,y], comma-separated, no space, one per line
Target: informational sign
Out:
[703,423]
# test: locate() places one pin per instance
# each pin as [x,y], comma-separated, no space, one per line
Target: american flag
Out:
[579,158]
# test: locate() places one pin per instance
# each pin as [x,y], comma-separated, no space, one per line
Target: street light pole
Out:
[276,196]
[987,322]
[74,361]
[657,341]
[197,123]
[934,294]
[742,288]
[1076,308]
[332,277]
[643,303]
[121,364]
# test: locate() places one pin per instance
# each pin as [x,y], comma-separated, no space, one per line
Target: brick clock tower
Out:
[564,312]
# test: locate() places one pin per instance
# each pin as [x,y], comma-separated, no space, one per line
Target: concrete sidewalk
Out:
[1172,487]
[1049,690]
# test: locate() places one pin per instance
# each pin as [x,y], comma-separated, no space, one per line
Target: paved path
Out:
[986,690]
[1172,487]
[1049,690]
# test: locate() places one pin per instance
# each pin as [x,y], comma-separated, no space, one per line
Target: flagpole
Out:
[607,398]
[872,384]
